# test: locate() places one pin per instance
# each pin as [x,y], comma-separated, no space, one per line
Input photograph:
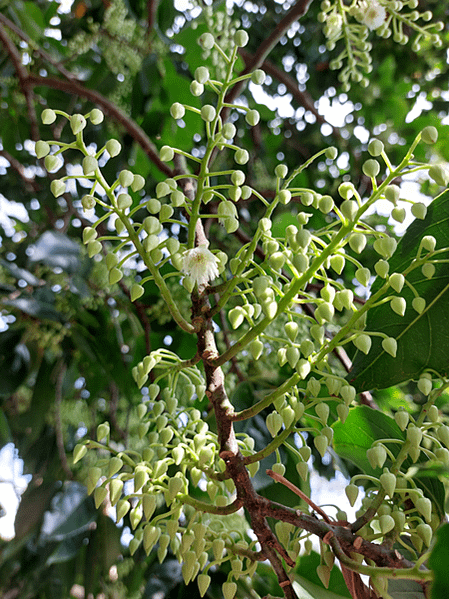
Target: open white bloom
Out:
[200,264]
[333,25]
[371,13]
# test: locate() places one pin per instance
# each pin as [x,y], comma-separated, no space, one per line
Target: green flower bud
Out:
[363,343]
[331,153]
[96,116]
[177,110]
[126,178]
[291,330]
[414,435]
[346,190]
[79,452]
[113,147]
[348,393]
[77,123]
[285,196]
[324,312]
[256,348]
[281,171]
[326,204]
[424,507]
[274,423]
[48,116]
[136,291]
[337,262]
[196,89]
[207,41]
[52,163]
[376,456]
[88,202]
[241,38]
[342,411]
[429,135]
[371,168]
[349,209]
[103,431]
[203,581]
[115,490]
[386,523]
[93,476]
[57,187]
[392,193]
[425,386]
[363,276]
[124,201]
[375,147]
[115,275]
[93,248]
[398,305]
[166,154]
[252,117]
[208,113]
[321,443]
[428,270]
[229,590]
[390,345]
[228,131]
[428,243]
[322,411]
[236,316]
[439,174]
[398,214]
[419,304]
[382,267]
[90,164]
[258,77]
[357,242]
[42,149]
[292,354]
[352,492]
[238,177]
[241,156]
[388,482]
[115,464]
[307,198]
[100,494]
[425,532]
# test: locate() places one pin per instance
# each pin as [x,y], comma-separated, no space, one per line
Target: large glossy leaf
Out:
[438,562]
[423,339]
[361,428]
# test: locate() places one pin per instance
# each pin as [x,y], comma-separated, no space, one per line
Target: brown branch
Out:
[30,182]
[22,75]
[152,6]
[136,132]
[45,55]
[280,479]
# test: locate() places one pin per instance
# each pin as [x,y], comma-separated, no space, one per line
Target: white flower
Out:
[200,264]
[333,25]
[371,13]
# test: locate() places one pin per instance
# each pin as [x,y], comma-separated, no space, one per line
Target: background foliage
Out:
[69,340]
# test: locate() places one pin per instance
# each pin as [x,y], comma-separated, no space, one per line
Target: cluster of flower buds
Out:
[353,23]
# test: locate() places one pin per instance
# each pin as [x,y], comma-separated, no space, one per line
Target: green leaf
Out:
[362,427]
[438,562]
[405,589]
[423,339]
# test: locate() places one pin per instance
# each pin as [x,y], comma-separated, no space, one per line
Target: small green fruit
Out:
[208,113]
[90,164]
[77,123]
[375,147]
[371,168]
[57,187]
[241,38]
[419,210]
[258,77]
[166,154]
[390,346]
[96,116]
[429,135]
